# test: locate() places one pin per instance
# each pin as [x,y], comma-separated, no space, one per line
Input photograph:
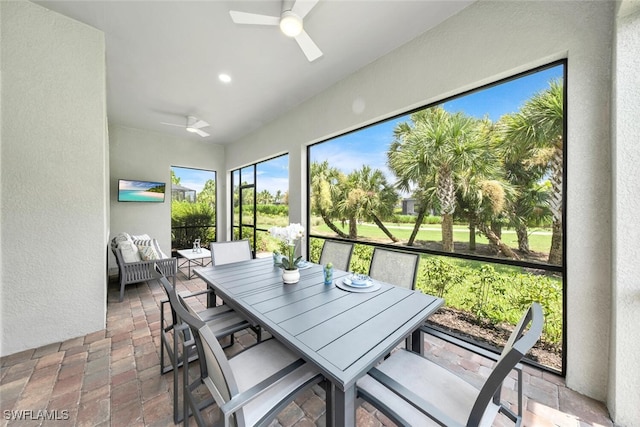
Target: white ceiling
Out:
[163,57]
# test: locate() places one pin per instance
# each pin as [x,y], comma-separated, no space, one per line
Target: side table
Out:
[199,259]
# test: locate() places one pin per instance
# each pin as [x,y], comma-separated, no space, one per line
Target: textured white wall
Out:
[624,398]
[53,176]
[139,154]
[487,41]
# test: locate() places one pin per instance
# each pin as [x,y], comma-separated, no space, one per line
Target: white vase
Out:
[290,276]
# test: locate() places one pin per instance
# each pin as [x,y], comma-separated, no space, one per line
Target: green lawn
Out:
[539,239]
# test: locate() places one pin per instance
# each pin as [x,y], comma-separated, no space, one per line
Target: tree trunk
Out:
[416,226]
[472,233]
[332,226]
[523,238]
[353,228]
[496,229]
[555,253]
[384,229]
[495,241]
[447,233]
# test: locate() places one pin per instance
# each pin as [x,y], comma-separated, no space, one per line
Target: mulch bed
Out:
[464,325]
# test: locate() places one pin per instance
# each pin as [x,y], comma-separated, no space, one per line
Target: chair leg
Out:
[176,378]
[121,291]
[231,342]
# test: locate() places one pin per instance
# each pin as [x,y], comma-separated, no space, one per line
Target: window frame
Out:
[241,226]
[557,269]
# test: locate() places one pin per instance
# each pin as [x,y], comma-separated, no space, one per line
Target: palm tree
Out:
[325,192]
[435,148]
[264,197]
[536,134]
[369,198]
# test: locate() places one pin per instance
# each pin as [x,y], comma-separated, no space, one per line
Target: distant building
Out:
[180,193]
[409,207]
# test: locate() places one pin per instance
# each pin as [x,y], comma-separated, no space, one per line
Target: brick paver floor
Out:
[111,378]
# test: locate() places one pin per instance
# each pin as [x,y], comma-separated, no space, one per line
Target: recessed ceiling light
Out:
[224,78]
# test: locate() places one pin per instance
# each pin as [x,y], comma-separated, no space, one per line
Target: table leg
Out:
[417,342]
[341,407]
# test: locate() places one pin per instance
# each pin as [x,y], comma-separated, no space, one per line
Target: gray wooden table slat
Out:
[349,347]
[307,320]
[360,312]
[310,286]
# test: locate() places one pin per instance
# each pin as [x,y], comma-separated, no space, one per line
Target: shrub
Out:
[361,258]
[190,221]
[484,288]
[274,210]
[528,289]
[436,276]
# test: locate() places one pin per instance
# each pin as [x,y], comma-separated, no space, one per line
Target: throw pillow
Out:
[153,243]
[120,237]
[129,252]
[147,253]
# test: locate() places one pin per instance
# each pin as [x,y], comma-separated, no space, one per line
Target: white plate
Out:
[304,264]
[359,279]
[367,284]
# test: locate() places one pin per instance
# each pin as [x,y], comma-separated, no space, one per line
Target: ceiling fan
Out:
[290,22]
[193,125]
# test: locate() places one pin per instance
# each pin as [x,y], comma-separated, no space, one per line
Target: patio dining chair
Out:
[412,390]
[221,320]
[337,253]
[228,252]
[252,387]
[394,267]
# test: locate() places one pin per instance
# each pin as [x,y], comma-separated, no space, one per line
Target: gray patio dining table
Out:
[343,333]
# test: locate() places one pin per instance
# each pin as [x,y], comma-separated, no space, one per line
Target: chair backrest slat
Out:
[337,253]
[228,252]
[394,267]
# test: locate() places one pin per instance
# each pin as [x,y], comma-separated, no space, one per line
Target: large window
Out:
[193,207]
[473,183]
[260,201]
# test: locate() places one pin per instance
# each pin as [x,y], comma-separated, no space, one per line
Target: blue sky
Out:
[193,178]
[368,146]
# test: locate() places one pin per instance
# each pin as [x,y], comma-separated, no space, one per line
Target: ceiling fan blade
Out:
[172,124]
[200,124]
[310,49]
[201,132]
[303,7]
[253,18]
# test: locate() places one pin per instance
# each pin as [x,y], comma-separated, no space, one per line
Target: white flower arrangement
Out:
[290,235]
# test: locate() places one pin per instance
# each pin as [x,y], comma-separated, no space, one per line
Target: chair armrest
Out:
[438,333]
[195,294]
